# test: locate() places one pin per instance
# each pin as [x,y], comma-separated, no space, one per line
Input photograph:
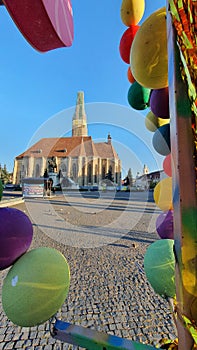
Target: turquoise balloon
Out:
[138,96]
[161,140]
[35,287]
[159,266]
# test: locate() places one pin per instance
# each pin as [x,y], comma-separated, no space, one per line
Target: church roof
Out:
[106,149]
[69,146]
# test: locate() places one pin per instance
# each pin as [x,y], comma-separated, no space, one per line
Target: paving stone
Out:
[108,291]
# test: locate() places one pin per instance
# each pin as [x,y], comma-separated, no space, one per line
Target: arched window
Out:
[37,170]
[96,173]
[103,172]
[74,171]
[63,168]
[22,170]
[89,173]
[83,171]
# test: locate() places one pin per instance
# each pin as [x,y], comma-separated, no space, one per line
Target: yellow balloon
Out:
[163,194]
[132,11]
[148,55]
[152,122]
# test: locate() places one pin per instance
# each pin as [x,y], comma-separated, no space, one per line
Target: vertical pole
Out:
[184,192]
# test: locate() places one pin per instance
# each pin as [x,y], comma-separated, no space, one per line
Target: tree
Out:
[4,174]
[128,180]
[130,177]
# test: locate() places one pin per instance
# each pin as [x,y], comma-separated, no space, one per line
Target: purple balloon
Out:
[164,225]
[16,232]
[159,103]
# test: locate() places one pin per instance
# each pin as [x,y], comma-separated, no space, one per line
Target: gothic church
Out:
[77,157]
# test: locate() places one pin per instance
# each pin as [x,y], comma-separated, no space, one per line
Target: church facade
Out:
[78,157]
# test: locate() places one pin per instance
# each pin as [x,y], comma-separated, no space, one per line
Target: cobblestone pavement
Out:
[109,290]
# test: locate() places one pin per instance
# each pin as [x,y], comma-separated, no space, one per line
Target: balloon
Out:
[130,76]
[131,13]
[159,103]
[148,56]
[164,225]
[152,122]
[163,194]
[161,140]
[45,24]
[138,96]
[16,234]
[1,190]
[126,41]
[36,287]
[167,165]
[159,266]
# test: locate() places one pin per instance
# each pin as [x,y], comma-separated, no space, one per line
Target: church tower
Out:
[79,123]
[145,170]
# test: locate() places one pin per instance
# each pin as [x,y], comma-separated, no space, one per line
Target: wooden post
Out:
[184,192]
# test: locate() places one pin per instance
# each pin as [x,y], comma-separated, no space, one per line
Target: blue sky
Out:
[39,89]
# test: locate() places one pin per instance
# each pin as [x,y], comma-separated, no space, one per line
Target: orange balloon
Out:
[130,76]
[163,194]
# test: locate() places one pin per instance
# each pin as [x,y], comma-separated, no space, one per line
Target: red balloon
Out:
[167,165]
[126,41]
[159,103]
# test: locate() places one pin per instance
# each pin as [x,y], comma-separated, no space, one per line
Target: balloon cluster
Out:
[37,282]
[144,47]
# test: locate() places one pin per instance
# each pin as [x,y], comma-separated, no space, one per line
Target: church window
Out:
[103,172]
[74,171]
[96,173]
[22,170]
[89,173]
[37,170]
[63,168]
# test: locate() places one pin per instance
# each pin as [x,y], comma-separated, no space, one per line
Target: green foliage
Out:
[130,177]
[4,174]
[192,328]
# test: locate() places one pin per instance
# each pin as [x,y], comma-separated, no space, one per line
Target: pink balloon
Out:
[167,165]
[45,24]
[164,225]
[61,16]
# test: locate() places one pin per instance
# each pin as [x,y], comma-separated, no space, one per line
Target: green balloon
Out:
[1,190]
[159,266]
[36,287]
[138,96]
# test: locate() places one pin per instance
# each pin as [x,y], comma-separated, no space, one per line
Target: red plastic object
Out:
[45,24]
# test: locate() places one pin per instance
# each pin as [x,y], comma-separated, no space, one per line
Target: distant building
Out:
[77,157]
[146,181]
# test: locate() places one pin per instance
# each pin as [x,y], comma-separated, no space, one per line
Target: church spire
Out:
[79,123]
